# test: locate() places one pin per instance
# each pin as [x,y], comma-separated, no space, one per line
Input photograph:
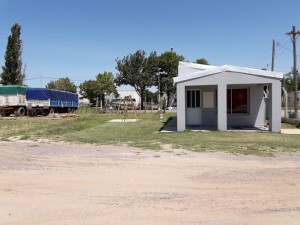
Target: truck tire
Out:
[32,112]
[21,111]
[51,111]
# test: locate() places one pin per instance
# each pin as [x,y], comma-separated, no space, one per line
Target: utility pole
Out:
[159,100]
[294,35]
[273,55]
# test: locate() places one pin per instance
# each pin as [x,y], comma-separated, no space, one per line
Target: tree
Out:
[12,71]
[100,87]
[288,82]
[63,84]
[149,95]
[168,62]
[106,85]
[138,71]
[88,89]
[202,61]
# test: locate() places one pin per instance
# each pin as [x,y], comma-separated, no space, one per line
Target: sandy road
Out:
[56,184]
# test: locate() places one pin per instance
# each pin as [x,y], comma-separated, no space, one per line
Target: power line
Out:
[267,56]
[33,78]
[262,59]
[283,46]
[280,52]
[53,78]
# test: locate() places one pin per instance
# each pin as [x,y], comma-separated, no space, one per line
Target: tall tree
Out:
[202,61]
[63,84]
[12,71]
[100,87]
[168,62]
[138,71]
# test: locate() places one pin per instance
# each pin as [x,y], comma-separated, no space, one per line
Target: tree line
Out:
[139,70]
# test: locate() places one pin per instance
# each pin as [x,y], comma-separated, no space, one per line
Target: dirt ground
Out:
[59,183]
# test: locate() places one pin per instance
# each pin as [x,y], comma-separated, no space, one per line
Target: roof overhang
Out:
[207,70]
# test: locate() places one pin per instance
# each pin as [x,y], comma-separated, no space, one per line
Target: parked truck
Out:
[13,100]
[21,101]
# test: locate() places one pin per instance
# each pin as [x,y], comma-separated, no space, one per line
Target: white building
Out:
[226,96]
[123,94]
[83,101]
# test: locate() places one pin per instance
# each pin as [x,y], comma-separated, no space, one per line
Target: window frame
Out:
[193,98]
[231,101]
[230,113]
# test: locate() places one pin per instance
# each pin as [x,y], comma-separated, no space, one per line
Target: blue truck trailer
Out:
[45,101]
[21,101]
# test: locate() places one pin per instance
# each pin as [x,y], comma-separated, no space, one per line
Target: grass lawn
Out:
[93,128]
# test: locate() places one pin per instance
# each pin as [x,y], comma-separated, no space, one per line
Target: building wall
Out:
[256,107]
[257,104]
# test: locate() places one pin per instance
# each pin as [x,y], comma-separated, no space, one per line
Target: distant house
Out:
[226,97]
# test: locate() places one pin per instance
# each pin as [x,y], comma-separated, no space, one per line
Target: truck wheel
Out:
[51,111]
[32,112]
[21,111]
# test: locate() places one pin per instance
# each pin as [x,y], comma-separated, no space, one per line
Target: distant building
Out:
[124,94]
[83,101]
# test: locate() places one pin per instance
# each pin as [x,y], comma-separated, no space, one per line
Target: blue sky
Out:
[82,38]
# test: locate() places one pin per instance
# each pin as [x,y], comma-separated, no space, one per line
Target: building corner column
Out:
[275,107]
[181,107]
[222,107]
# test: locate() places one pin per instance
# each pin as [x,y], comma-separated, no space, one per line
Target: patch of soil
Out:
[60,183]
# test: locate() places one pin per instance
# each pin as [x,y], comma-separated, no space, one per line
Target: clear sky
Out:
[81,38]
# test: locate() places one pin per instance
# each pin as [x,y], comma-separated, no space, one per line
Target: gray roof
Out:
[200,71]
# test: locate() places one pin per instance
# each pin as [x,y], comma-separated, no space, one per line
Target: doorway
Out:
[193,107]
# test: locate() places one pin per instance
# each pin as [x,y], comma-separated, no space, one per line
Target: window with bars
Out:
[193,98]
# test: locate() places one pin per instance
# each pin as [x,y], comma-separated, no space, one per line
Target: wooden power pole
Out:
[294,35]
[273,55]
